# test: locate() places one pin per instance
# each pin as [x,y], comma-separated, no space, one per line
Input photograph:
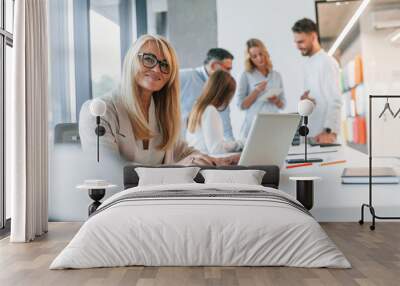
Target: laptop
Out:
[269,139]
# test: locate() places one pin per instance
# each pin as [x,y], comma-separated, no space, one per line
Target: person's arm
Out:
[226,120]
[252,97]
[282,97]
[331,88]
[212,128]
[243,93]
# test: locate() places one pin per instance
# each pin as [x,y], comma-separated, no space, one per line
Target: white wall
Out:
[381,60]
[270,21]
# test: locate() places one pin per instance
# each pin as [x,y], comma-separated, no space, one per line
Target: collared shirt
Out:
[321,77]
[247,84]
[192,84]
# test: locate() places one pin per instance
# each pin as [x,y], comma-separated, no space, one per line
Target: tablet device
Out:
[271,92]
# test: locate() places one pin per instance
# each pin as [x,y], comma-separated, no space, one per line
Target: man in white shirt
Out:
[192,81]
[321,83]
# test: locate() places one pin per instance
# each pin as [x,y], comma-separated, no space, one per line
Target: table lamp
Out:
[305,108]
[98,108]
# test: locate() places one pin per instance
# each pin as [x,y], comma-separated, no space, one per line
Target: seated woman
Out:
[142,120]
[205,129]
[260,87]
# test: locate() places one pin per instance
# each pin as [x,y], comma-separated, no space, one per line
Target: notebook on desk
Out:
[380,175]
[313,142]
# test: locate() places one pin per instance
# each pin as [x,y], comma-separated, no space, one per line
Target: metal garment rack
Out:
[370,205]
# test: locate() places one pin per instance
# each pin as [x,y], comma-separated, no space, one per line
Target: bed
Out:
[198,224]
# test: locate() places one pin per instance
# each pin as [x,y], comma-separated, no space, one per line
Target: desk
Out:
[335,201]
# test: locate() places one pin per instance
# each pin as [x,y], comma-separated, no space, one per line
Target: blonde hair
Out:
[166,100]
[249,66]
[218,92]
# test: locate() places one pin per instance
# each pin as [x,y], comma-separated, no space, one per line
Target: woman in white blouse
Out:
[142,120]
[260,86]
[205,128]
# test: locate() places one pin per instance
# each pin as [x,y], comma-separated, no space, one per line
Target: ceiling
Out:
[334,15]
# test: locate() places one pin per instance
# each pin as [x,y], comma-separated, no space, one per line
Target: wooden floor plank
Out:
[375,257]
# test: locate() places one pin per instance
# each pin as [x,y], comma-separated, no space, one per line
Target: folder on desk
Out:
[380,175]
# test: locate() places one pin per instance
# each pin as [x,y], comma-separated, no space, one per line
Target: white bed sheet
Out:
[193,231]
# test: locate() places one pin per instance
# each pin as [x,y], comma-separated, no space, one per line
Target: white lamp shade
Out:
[305,107]
[98,107]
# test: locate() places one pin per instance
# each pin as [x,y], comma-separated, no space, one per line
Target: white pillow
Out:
[248,177]
[164,176]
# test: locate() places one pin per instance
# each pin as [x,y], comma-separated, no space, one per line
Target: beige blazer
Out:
[119,136]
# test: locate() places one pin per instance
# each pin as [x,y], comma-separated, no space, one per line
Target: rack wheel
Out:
[361,222]
[372,227]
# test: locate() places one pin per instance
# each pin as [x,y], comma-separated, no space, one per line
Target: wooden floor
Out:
[375,257]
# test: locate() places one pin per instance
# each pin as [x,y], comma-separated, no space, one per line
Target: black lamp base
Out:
[96,195]
[311,160]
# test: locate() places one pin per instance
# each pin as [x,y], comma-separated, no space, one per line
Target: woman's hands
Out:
[198,159]
[205,160]
[230,160]
[252,97]
[275,100]
[261,86]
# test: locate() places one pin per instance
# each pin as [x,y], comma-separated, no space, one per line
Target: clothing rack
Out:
[370,204]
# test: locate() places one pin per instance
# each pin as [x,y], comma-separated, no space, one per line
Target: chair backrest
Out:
[66,133]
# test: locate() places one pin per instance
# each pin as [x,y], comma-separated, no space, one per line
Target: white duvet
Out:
[200,231]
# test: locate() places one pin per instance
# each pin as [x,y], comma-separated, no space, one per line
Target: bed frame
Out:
[270,179]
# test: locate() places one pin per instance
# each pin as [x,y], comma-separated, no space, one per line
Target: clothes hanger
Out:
[387,107]
[397,113]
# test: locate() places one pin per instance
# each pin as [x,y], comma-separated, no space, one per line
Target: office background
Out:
[88,40]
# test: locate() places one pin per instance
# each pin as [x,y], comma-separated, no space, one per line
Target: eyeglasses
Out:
[150,61]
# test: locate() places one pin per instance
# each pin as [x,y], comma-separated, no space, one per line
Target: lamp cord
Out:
[98,137]
[98,146]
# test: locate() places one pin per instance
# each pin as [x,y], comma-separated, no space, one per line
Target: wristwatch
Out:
[327,130]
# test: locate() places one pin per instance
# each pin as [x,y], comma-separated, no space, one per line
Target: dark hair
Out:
[218,92]
[305,25]
[217,54]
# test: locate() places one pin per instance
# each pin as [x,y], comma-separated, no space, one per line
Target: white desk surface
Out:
[335,201]
[304,178]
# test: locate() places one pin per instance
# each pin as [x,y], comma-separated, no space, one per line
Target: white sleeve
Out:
[331,88]
[213,132]
[282,95]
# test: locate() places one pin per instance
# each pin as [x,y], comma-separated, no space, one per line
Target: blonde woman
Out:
[143,116]
[260,86]
[205,128]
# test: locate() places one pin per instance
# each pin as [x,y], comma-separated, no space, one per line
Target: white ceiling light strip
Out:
[395,37]
[348,27]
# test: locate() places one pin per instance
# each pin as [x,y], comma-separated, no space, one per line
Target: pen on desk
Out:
[333,163]
[317,152]
[298,165]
